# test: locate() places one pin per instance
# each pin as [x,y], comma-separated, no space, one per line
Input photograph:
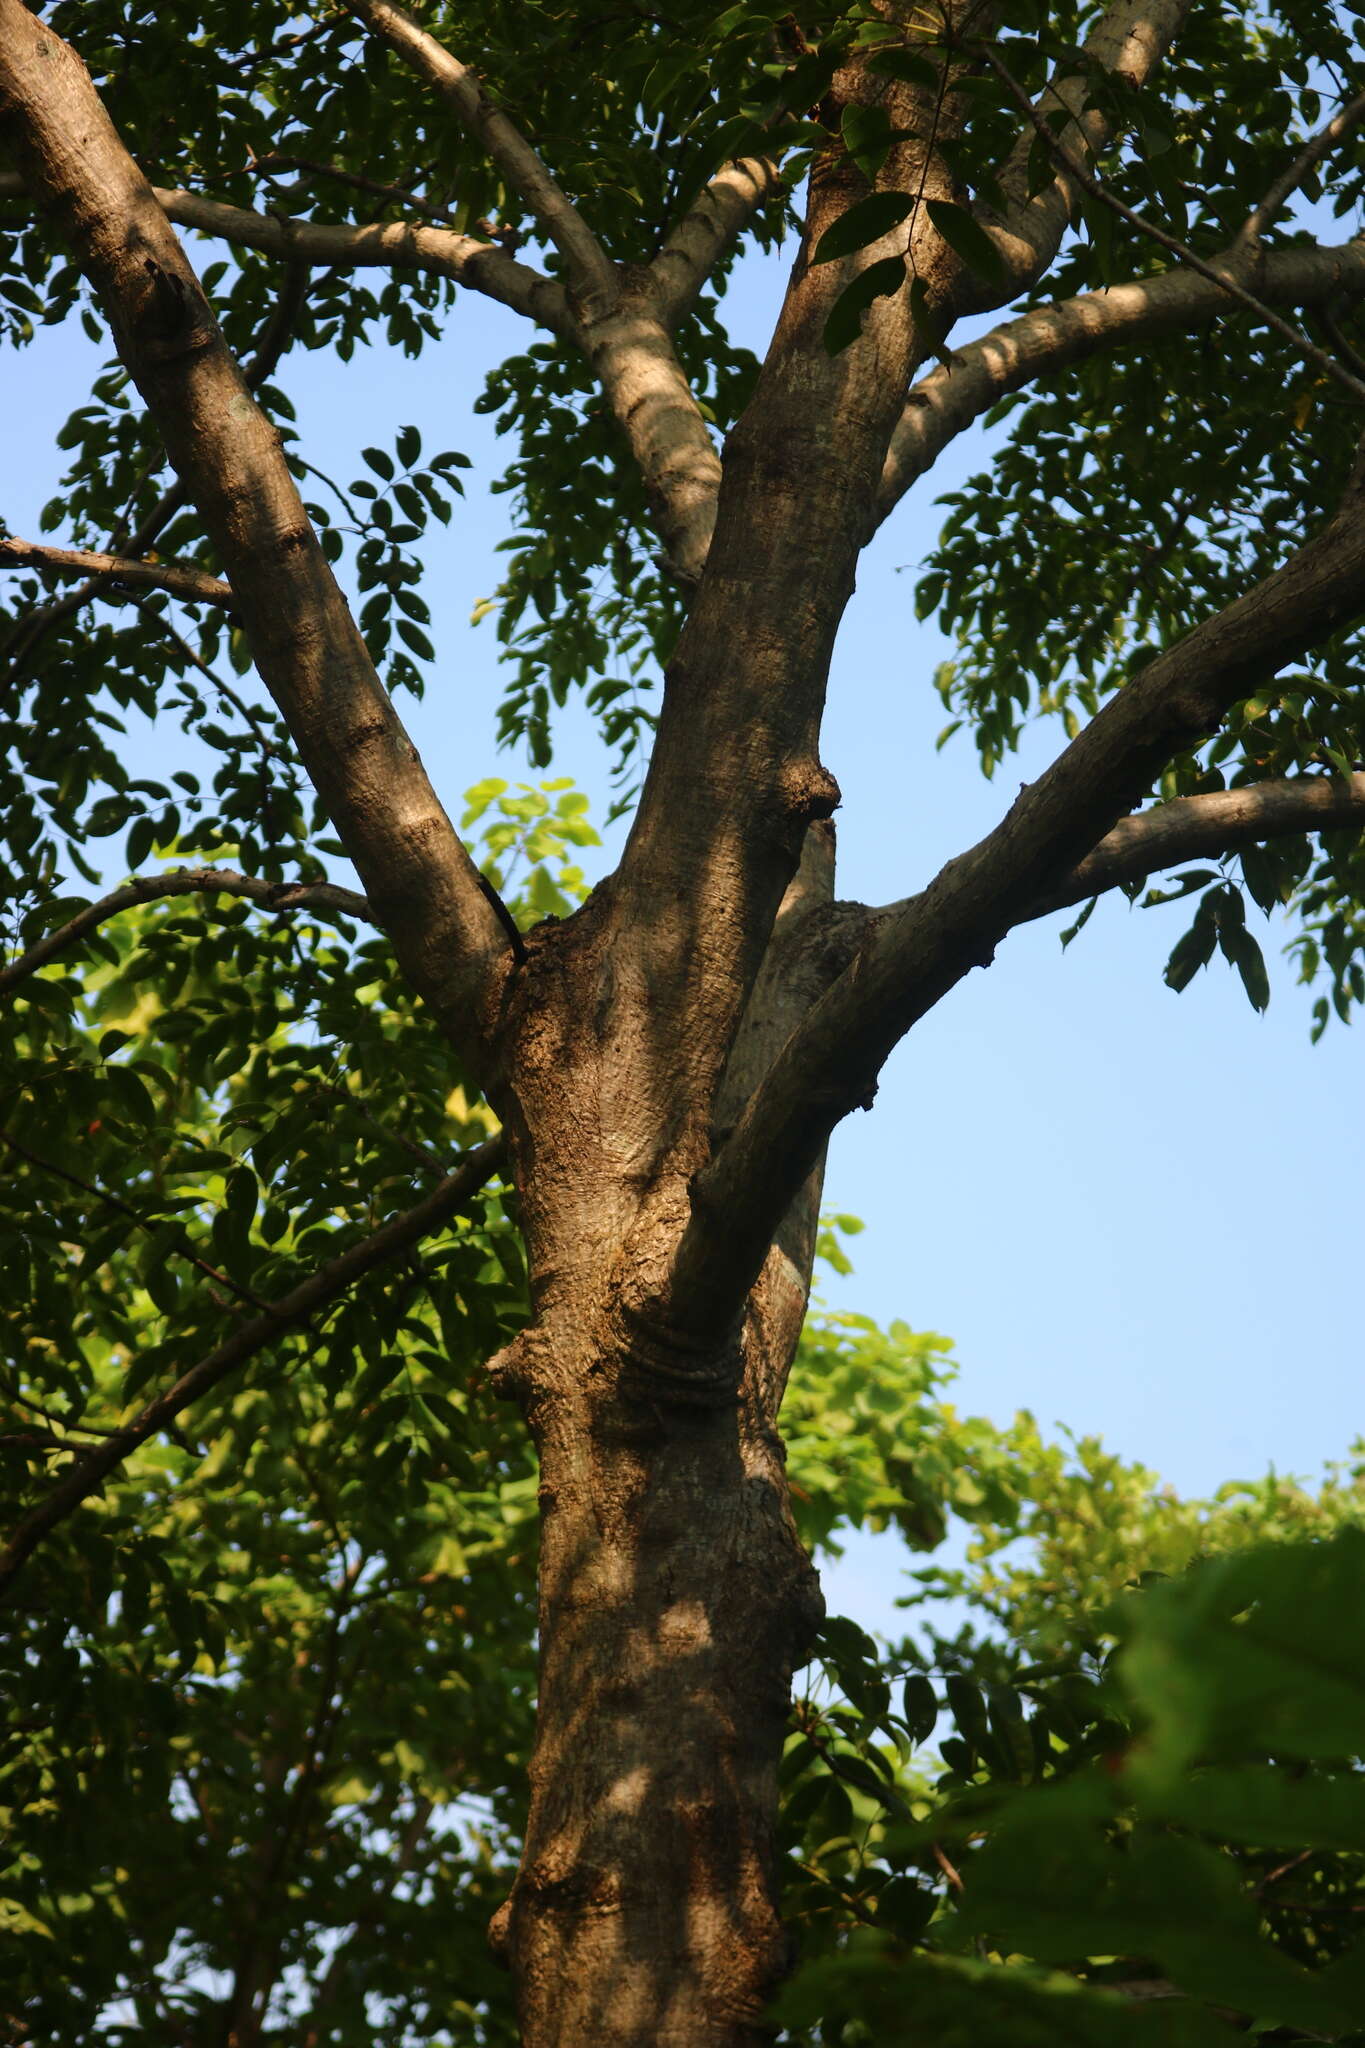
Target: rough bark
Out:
[675,1597]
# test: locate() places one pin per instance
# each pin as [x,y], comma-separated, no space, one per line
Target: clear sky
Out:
[1137,1213]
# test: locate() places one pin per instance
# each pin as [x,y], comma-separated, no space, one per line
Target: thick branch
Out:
[111,571]
[1052,337]
[921,948]
[393,1238]
[1205,827]
[424,887]
[700,239]
[323,896]
[389,245]
[1128,41]
[592,276]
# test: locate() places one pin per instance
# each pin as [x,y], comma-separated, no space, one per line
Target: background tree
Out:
[665,1063]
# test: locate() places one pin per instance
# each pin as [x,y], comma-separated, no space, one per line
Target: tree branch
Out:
[90,1470]
[1206,827]
[1217,274]
[1053,337]
[592,276]
[323,896]
[275,336]
[919,949]
[422,882]
[1128,41]
[110,571]
[699,240]
[1307,161]
[389,245]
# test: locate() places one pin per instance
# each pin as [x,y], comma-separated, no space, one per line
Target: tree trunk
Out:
[676,1600]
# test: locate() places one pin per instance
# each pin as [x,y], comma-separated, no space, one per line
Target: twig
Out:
[947,1868]
[325,896]
[321,1287]
[1222,278]
[270,166]
[1308,159]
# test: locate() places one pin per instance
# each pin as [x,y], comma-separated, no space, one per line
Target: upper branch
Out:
[1128,41]
[323,896]
[94,1465]
[1052,337]
[700,239]
[921,948]
[112,571]
[425,888]
[388,245]
[1223,275]
[1309,157]
[591,273]
[1205,828]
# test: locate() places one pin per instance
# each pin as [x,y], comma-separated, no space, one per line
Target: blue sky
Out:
[1136,1213]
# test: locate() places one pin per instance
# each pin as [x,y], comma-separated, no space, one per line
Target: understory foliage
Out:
[269,1719]
[269,1691]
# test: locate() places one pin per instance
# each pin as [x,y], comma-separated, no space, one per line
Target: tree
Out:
[665,1062]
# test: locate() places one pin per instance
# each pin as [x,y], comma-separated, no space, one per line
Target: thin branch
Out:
[110,1200]
[1306,162]
[398,195]
[390,245]
[1205,827]
[114,574]
[1052,337]
[323,896]
[324,1286]
[277,331]
[917,950]
[1223,277]
[700,239]
[592,275]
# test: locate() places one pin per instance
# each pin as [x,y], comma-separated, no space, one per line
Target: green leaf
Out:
[865,222]
[880,280]
[965,235]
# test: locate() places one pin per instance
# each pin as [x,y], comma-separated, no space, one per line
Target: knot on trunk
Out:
[663,1366]
[809,791]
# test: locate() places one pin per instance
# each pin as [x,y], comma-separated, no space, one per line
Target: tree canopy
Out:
[405,1277]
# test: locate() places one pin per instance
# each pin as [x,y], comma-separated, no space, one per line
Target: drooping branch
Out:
[1206,827]
[711,224]
[1053,337]
[422,882]
[114,572]
[390,1241]
[919,949]
[592,275]
[323,896]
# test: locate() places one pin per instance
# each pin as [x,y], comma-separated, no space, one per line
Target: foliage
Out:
[269,1700]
